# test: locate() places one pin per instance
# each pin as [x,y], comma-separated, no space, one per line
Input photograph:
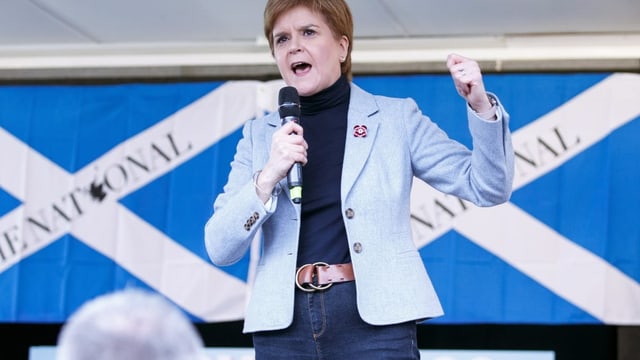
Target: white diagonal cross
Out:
[610,95]
[111,228]
[557,263]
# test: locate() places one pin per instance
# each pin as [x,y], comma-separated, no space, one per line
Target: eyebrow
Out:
[303,27]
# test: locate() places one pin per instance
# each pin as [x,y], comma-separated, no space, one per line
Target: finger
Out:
[284,153]
[466,76]
[462,77]
[295,149]
[291,128]
[467,73]
[297,129]
[463,71]
[454,59]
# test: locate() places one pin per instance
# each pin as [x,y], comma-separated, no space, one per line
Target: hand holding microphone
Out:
[289,110]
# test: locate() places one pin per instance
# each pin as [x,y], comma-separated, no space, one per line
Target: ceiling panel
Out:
[23,23]
[73,38]
[372,19]
[125,21]
[171,21]
[496,17]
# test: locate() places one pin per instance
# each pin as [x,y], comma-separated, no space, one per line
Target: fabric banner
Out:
[104,187]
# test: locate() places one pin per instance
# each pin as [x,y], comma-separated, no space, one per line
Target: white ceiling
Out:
[44,30]
[47,22]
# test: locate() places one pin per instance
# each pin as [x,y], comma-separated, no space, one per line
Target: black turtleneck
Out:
[324,119]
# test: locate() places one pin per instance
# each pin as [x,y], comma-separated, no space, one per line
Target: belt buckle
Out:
[311,287]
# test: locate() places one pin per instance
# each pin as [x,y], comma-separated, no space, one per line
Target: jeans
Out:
[326,326]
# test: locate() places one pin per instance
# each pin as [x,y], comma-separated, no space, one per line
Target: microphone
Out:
[289,109]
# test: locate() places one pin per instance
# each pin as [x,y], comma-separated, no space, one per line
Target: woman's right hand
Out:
[287,147]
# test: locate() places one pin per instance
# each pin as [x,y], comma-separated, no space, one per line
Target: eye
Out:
[308,32]
[281,39]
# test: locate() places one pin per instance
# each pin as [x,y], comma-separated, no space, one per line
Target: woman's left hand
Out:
[467,79]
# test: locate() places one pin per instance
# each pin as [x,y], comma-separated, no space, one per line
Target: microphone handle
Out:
[294,179]
[294,176]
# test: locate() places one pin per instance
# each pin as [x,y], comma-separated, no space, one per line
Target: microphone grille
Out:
[288,102]
[288,94]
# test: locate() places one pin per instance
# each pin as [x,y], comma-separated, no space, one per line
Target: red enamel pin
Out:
[360,131]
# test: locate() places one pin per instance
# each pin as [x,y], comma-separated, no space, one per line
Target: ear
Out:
[344,46]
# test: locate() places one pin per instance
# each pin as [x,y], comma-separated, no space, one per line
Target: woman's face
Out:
[306,50]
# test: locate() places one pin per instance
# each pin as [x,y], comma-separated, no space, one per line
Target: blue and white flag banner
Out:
[107,187]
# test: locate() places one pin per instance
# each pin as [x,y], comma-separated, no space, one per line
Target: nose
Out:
[294,45]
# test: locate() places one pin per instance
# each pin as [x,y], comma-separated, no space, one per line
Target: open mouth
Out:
[300,67]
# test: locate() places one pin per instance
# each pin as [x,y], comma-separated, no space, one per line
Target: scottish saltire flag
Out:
[106,187]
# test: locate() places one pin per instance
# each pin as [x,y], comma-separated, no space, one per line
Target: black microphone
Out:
[289,109]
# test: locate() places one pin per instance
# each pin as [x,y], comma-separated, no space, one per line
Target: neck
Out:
[332,96]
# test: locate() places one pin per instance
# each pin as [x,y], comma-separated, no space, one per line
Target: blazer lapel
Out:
[273,123]
[362,107]
[358,146]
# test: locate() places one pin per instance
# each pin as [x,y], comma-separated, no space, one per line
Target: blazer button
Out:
[349,213]
[357,247]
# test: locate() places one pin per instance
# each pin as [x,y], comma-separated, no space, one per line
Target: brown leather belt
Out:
[320,276]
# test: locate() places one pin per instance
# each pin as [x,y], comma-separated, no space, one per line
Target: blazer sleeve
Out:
[482,175]
[238,211]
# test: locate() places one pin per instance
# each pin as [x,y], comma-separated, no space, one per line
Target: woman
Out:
[339,274]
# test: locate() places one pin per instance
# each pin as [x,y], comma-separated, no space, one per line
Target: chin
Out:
[302,89]
[301,83]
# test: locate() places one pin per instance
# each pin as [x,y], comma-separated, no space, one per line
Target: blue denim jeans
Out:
[326,326]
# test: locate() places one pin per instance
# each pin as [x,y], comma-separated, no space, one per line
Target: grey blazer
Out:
[401,143]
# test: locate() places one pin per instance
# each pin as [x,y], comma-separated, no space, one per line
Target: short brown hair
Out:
[336,13]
